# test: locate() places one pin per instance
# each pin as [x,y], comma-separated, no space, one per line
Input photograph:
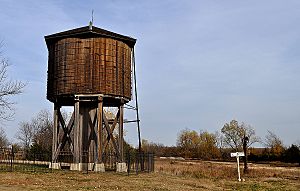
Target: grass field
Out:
[169,175]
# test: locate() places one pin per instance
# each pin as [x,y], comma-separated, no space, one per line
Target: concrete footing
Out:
[99,167]
[55,165]
[121,167]
[79,166]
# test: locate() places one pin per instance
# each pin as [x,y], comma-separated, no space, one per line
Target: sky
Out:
[200,64]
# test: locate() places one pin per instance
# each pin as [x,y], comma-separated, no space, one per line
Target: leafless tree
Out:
[8,88]
[39,130]
[43,126]
[25,134]
[3,139]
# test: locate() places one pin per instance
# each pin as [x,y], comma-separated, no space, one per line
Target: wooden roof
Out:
[85,32]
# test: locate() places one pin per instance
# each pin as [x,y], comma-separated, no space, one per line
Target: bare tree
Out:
[43,126]
[8,88]
[37,131]
[25,134]
[3,138]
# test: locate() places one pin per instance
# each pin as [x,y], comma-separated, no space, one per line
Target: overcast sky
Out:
[200,63]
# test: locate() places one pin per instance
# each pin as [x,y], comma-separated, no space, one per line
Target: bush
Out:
[292,154]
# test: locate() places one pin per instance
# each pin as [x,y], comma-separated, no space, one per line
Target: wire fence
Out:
[22,161]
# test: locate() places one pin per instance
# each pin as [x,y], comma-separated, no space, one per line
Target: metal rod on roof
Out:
[92,16]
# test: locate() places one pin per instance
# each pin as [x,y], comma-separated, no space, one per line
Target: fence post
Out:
[153,162]
[50,159]
[34,161]
[137,162]
[149,160]
[142,161]
[11,158]
[128,163]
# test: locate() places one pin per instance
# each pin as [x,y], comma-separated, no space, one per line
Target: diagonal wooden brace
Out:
[109,133]
[112,127]
[92,125]
[66,137]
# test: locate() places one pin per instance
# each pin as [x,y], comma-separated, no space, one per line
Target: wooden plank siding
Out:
[97,65]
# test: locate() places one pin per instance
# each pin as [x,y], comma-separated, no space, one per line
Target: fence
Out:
[140,162]
[11,160]
[17,161]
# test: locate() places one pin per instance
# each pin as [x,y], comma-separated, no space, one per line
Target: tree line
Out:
[232,137]
[35,136]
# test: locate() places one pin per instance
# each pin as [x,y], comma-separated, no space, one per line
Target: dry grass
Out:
[224,174]
[169,175]
[223,170]
[99,181]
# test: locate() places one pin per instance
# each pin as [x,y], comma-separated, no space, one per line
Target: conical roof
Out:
[89,32]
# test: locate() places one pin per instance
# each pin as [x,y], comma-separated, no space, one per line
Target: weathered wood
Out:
[67,130]
[88,66]
[55,131]
[87,122]
[66,136]
[92,124]
[84,63]
[121,139]
[110,135]
[112,128]
[100,129]
[76,133]
[92,138]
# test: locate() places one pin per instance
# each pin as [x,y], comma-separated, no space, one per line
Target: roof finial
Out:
[90,25]
[91,22]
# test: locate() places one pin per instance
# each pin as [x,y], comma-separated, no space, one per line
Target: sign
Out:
[237,154]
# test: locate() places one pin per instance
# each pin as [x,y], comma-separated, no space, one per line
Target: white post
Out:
[238,155]
[238,167]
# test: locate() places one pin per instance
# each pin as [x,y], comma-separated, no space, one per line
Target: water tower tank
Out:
[87,61]
[89,68]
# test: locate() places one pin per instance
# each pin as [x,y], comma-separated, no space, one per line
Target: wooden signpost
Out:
[238,155]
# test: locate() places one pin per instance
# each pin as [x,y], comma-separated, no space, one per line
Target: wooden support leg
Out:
[55,131]
[100,130]
[92,133]
[121,140]
[76,133]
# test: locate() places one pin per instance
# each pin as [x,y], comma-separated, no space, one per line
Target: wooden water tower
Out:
[89,68]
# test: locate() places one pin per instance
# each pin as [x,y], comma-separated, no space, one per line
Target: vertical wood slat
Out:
[76,133]
[96,65]
[121,140]
[55,130]
[100,129]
